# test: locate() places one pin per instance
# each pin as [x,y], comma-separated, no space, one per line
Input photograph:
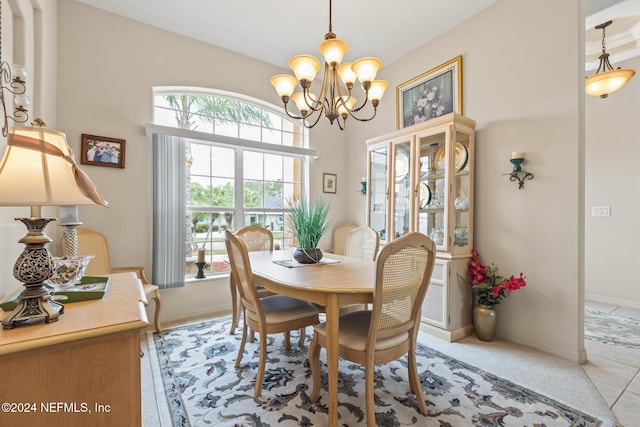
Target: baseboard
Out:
[448,336]
[612,301]
[576,356]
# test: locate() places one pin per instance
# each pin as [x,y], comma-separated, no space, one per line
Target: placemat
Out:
[292,263]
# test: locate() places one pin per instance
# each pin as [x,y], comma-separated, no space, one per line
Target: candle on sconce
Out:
[516,155]
[363,179]
[201,255]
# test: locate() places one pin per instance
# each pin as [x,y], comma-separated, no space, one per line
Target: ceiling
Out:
[275,30]
[622,37]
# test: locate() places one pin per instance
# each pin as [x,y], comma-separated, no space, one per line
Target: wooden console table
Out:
[83,369]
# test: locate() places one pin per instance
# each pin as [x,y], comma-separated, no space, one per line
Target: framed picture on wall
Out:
[329,182]
[432,94]
[102,151]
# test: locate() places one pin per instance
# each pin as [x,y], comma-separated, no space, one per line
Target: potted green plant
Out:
[308,221]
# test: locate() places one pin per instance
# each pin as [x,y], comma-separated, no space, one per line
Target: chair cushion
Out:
[280,308]
[354,330]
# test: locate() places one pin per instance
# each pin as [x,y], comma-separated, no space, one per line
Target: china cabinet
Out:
[421,179]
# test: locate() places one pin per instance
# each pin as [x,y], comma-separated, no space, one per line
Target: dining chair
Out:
[362,242]
[390,329]
[91,242]
[339,234]
[256,238]
[269,315]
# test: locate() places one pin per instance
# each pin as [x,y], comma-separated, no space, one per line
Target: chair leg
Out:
[261,363]
[287,340]
[303,335]
[314,363]
[235,306]
[243,340]
[414,380]
[369,397]
[156,316]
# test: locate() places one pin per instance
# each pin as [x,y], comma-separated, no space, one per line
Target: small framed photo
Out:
[432,94]
[102,151]
[329,181]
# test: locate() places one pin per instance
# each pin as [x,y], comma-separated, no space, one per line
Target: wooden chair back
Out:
[403,272]
[91,242]
[256,238]
[362,242]
[243,279]
[339,235]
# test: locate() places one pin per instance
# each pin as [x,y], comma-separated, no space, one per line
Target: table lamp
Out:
[38,170]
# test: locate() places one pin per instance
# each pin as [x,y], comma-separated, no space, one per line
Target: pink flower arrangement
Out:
[490,287]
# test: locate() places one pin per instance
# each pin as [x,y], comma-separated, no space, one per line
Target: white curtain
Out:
[168,211]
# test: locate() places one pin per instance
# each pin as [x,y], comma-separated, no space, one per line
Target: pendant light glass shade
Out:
[607,79]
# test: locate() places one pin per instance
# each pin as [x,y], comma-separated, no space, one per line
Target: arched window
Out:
[240,160]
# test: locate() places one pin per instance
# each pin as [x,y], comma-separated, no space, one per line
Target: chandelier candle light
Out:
[334,102]
[606,80]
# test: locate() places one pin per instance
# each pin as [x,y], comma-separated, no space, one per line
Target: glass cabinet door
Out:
[432,188]
[461,190]
[402,194]
[377,191]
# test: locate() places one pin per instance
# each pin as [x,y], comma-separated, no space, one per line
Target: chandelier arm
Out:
[366,98]
[293,116]
[375,110]
[315,122]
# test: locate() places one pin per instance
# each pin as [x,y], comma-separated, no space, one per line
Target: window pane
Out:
[222,192]
[223,160]
[207,233]
[253,194]
[200,191]
[252,133]
[253,165]
[273,194]
[273,167]
[200,156]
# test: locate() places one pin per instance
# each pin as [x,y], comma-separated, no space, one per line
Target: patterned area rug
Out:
[611,329]
[203,388]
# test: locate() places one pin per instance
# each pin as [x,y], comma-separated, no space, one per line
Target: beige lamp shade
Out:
[366,68]
[284,84]
[38,169]
[377,89]
[605,83]
[333,50]
[346,73]
[304,67]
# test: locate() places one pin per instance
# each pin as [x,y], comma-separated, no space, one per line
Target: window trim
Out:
[231,141]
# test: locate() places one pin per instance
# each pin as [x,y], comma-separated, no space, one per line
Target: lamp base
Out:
[34,303]
[33,267]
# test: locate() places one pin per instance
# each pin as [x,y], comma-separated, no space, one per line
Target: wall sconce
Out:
[363,186]
[518,174]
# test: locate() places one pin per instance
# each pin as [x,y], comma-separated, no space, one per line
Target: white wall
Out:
[522,84]
[612,147]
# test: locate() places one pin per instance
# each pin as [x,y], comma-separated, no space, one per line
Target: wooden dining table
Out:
[332,285]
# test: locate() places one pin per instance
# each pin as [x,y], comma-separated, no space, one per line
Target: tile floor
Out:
[615,370]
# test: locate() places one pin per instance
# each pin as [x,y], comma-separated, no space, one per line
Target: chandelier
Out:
[15,85]
[606,80]
[334,101]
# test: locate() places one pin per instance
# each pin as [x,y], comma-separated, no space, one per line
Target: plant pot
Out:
[307,256]
[484,322]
